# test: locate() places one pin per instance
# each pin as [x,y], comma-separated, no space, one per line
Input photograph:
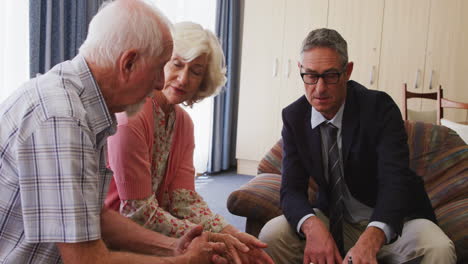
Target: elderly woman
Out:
[152,153]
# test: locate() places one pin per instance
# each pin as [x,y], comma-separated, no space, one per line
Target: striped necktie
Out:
[335,186]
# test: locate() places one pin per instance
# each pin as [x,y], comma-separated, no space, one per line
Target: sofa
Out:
[437,154]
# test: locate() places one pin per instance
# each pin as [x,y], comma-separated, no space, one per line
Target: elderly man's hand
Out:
[255,254]
[234,247]
[197,248]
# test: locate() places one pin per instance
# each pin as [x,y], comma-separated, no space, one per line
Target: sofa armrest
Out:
[259,199]
[453,220]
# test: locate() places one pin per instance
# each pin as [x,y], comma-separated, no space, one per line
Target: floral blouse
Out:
[178,210]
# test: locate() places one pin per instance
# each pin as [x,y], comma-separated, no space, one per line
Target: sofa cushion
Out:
[453,220]
[426,142]
[446,178]
[440,157]
[271,163]
[259,198]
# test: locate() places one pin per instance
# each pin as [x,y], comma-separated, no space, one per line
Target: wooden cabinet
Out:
[301,17]
[259,80]
[424,44]
[273,31]
[403,50]
[391,42]
[447,54]
[360,24]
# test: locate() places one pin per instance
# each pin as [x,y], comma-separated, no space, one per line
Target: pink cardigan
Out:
[130,152]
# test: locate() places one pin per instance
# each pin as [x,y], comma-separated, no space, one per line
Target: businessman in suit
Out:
[352,142]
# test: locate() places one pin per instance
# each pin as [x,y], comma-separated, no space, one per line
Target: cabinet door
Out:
[360,24]
[447,54]
[301,17]
[402,58]
[259,77]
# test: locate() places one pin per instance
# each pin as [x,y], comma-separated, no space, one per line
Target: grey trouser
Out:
[420,237]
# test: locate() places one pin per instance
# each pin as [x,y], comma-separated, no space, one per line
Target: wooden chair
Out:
[407,95]
[446,103]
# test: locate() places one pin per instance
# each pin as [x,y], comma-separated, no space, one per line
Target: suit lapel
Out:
[350,122]
[313,148]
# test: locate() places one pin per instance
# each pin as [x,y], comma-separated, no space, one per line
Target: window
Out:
[14,45]
[204,13]
[14,57]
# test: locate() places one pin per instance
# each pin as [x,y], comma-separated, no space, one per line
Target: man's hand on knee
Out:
[366,248]
[320,246]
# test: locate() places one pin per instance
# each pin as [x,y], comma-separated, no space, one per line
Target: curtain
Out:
[223,144]
[57,29]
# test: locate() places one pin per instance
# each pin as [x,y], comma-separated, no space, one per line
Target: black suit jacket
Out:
[375,158]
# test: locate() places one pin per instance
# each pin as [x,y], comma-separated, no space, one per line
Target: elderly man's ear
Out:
[127,63]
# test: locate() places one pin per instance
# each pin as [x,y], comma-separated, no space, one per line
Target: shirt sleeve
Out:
[59,183]
[299,225]
[189,205]
[149,214]
[388,231]
[187,209]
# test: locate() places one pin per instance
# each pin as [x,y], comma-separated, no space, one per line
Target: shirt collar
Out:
[93,100]
[317,118]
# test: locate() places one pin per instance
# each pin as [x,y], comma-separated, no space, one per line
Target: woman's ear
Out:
[127,63]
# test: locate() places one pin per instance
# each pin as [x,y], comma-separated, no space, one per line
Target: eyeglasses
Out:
[328,77]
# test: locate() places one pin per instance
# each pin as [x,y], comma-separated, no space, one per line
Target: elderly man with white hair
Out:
[53,167]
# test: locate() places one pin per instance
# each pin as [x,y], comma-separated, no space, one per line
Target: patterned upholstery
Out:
[258,200]
[271,163]
[437,153]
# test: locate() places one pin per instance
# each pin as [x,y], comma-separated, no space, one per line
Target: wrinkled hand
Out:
[320,246]
[186,239]
[366,248]
[197,248]
[234,247]
[255,255]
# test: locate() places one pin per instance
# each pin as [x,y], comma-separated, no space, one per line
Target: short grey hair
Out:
[122,25]
[326,38]
[192,40]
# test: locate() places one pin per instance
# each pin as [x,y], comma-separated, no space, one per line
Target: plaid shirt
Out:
[53,175]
